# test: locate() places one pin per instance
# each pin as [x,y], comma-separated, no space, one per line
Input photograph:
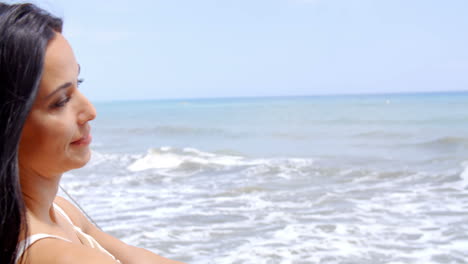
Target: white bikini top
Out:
[84,238]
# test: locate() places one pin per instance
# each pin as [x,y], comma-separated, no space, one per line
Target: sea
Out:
[312,179]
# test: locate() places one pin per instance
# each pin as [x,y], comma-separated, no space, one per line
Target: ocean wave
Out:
[170,158]
[382,134]
[98,158]
[175,130]
[464,176]
[447,142]
[173,158]
[360,120]
[292,136]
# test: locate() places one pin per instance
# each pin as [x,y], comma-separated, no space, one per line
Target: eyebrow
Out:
[58,89]
[61,87]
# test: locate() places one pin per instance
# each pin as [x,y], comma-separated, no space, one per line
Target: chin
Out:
[80,162]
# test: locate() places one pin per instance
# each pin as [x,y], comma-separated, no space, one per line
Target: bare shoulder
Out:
[56,251]
[72,211]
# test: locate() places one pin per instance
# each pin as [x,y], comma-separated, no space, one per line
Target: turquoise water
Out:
[326,179]
[405,127]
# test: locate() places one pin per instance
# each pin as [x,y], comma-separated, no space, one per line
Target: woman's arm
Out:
[125,253]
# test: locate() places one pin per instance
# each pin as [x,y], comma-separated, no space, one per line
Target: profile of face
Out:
[56,134]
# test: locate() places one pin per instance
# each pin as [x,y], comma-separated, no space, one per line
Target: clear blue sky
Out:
[186,48]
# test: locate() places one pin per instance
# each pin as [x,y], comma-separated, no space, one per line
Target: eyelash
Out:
[63,102]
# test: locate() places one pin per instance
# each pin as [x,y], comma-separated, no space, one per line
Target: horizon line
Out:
[283,96]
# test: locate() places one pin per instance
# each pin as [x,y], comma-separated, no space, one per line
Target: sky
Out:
[142,49]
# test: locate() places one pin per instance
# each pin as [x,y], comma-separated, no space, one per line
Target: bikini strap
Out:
[85,239]
[25,244]
[62,212]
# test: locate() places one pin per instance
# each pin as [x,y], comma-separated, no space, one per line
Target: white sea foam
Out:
[98,158]
[171,158]
[168,158]
[464,176]
[235,209]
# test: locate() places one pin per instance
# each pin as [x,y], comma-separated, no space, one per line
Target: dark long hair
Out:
[25,31]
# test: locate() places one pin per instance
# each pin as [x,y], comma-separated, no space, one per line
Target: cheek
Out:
[42,144]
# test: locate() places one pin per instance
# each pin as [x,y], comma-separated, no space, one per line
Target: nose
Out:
[87,111]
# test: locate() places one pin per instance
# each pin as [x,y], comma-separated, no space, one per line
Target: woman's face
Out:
[56,134]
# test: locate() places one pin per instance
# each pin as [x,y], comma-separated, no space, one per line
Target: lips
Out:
[83,141]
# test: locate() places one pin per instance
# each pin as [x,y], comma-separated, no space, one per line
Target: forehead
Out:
[60,65]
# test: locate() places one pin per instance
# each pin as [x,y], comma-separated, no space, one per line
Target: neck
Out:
[39,192]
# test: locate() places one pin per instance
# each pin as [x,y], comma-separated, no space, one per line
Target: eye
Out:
[79,82]
[62,102]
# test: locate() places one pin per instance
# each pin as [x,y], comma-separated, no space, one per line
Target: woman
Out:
[44,126]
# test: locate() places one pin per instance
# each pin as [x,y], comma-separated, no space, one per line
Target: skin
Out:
[59,117]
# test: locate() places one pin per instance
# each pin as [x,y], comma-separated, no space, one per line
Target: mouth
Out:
[83,141]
